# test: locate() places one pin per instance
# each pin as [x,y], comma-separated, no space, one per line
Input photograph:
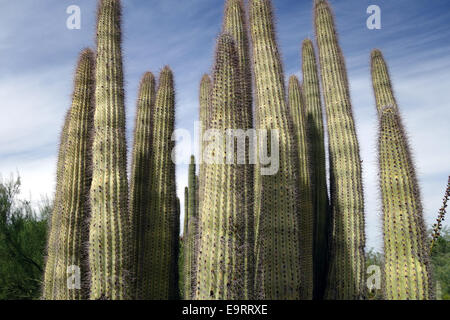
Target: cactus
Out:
[162,194]
[109,236]
[314,128]
[381,81]
[70,234]
[191,233]
[406,268]
[346,276]
[235,24]
[140,181]
[277,233]
[224,211]
[174,287]
[306,209]
[49,285]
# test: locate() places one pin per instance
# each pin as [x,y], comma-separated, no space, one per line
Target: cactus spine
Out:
[297,110]
[235,24]
[314,128]
[346,277]
[381,81]
[109,236]
[49,286]
[140,182]
[191,232]
[70,233]
[407,267]
[162,193]
[224,210]
[277,237]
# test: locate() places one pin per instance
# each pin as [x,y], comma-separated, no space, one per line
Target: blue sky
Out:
[38,55]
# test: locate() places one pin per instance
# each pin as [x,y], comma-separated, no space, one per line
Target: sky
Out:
[38,54]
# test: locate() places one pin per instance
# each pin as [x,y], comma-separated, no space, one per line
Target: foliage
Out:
[440,259]
[23,234]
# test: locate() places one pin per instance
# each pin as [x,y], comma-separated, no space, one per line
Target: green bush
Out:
[23,234]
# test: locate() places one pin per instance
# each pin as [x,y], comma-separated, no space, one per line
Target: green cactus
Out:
[110,232]
[70,233]
[315,130]
[140,182]
[224,212]
[277,232]
[191,232]
[235,24]
[347,274]
[407,273]
[306,209]
[381,81]
[49,285]
[159,237]
[174,291]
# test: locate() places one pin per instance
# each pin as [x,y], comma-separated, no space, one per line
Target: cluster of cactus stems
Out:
[245,235]
[406,271]
[346,276]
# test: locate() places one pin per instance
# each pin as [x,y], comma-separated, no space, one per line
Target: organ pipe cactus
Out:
[191,232]
[381,81]
[68,236]
[49,286]
[110,233]
[277,232]
[306,212]
[174,287]
[221,257]
[140,182]
[162,193]
[406,270]
[235,24]
[347,274]
[315,131]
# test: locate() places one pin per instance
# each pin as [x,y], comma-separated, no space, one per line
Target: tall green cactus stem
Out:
[186,282]
[315,130]
[70,234]
[191,236]
[174,288]
[140,181]
[224,211]
[110,232]
[407,267]
[49,287]
[277,242]
[381,81]
[235,24]
[306,209]
[347,274]
[159,238]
